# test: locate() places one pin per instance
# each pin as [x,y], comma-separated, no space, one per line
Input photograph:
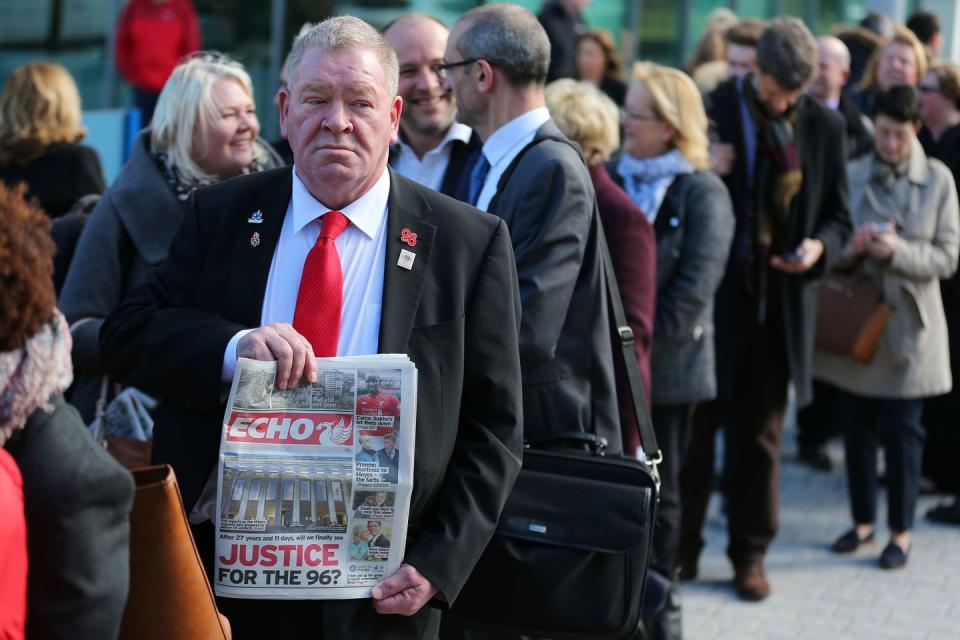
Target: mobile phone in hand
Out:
[791,256]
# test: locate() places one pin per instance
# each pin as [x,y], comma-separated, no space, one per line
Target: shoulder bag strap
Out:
[652,455]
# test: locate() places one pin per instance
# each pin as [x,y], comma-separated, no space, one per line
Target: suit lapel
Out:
[403,288]
[254,246]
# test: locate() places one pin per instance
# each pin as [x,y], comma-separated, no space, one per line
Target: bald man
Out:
[828,86]
[433,148]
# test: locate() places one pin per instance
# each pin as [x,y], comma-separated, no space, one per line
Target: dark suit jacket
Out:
[456,179]
[694,228]
[394,464]
[381,541]
[456,314]
[547,199]
[77,501]
[820,210]
[859,137]
[633,251]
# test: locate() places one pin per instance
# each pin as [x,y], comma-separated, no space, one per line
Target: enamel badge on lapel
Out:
[256,217]
[255,240]
[408,237]
[406,259]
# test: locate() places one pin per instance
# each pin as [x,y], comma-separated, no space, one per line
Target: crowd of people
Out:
[517,148]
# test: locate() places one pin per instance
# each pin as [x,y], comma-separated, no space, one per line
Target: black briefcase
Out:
[570,554]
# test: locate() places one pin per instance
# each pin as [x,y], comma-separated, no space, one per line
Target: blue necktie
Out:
[478,177]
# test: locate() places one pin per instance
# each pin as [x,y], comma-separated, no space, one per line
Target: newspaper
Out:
[314,483]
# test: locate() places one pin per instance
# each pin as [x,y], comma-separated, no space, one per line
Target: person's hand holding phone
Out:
[883,240]
[800,259]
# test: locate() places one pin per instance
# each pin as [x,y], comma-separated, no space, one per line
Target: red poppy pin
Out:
[408,237]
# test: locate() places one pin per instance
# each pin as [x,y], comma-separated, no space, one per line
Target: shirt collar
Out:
[515,132]
[365,213]
[457,132]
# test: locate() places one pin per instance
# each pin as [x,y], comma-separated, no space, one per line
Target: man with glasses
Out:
[433,149]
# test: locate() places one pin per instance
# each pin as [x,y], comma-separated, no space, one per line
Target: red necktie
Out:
[320,299]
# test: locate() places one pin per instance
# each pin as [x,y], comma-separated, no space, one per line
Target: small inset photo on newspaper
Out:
[254,389]
[334,390]
[378,459]
[370,540]
[373,504]
[378,401]
[263,494]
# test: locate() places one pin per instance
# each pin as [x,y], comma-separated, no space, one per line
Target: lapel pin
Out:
[256,217]
[255,240]
[406,259]
[408,237]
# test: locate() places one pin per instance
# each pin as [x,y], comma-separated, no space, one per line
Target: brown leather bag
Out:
[851,317]
[170,595]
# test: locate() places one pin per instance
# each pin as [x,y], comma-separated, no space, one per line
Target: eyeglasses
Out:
[636,117]
[442,69]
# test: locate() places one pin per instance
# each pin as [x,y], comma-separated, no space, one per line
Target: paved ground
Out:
[820,595]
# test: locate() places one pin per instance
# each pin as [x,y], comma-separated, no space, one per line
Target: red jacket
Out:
[152,38]
[13,551]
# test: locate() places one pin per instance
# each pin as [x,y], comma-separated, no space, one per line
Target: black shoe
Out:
[815,456]
[893,557]
[851,541]
[946,513]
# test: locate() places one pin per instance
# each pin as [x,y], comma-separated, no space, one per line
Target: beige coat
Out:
[913,357]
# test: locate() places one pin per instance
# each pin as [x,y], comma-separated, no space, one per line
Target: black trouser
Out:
[894,423]
[816,422]
[672,424]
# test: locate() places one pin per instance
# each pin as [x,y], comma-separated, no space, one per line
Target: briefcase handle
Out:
[596,444]
[651,453]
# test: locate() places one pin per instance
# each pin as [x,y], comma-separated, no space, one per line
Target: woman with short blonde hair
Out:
[903,60]
[676,101]
[40,127]
[187,110]
[664,169]
[586,116]
[204,130]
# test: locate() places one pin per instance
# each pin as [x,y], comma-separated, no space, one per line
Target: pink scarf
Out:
[29,376]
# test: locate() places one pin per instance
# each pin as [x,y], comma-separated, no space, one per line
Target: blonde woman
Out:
[903,60]
[663,168]
[204,130]
[40,131]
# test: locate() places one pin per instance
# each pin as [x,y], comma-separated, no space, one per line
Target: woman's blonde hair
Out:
[585,115]
[186,106]
[901,35]
[676,100]
[39,107]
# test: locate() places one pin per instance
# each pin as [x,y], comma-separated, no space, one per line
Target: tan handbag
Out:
[170,595]
[851,317]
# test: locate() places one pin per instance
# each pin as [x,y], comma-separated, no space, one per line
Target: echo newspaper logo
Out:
[291,428]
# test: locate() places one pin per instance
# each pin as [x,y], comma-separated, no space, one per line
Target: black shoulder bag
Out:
[569,557]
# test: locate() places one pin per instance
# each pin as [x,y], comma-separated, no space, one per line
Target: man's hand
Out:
[281,342]
[809,252]
[404,593]
[722,156]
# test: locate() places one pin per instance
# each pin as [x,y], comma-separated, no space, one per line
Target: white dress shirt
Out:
[503,146]
[361,246]
[430,169]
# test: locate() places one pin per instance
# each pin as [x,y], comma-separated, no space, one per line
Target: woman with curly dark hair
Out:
[599,63]
[40,133]
[77,499]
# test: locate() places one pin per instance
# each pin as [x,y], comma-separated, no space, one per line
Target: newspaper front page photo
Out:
[314,483]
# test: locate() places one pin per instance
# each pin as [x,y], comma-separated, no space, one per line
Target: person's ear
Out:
[668,134]
[283,102]
[486,81]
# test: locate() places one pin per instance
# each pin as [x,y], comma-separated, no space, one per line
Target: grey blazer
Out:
[547,200]
[694,228]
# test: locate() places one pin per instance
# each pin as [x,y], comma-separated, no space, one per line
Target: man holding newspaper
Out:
[339,257]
